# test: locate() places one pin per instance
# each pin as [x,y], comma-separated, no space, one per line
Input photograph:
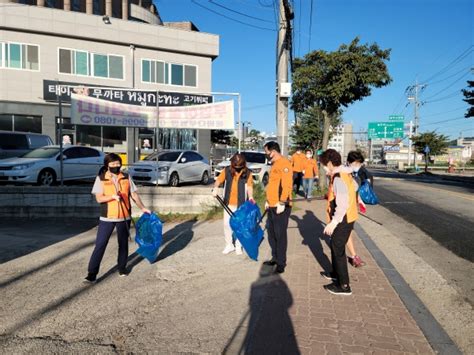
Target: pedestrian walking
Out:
[342,213]
[355,159]
[310,173]
[278,204]
[297,161]
[114,190]
[238,188]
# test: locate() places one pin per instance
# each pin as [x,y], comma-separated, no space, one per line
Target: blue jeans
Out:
[308,187]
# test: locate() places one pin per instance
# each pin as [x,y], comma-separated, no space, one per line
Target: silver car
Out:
[42,166]
[172,168]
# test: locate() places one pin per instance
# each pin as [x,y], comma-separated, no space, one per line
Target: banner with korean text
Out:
[86,110]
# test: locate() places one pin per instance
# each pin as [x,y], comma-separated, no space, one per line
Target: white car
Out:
[256,162]
[172,168]
[42,165]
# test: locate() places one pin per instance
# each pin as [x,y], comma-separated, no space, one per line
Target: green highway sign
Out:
[385,130]
[396,117]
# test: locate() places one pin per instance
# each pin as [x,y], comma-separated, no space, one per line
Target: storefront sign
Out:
[86,110]
[125,96]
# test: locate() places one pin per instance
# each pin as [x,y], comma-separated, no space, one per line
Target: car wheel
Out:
[46,177]
[205,178]
[265,180]
[174,180]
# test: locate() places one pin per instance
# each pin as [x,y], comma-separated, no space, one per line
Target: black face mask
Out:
[238,169]
[114,170]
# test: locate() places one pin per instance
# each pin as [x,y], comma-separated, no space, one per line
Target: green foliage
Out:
[308,132]
[221,136]
[438,143]
[332,80]
[469,98]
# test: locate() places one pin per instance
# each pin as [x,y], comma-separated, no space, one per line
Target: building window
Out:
[166,73]
[19,56]
[78,62]
[20,123]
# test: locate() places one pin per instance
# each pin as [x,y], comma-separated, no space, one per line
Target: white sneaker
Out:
[238,251]
[228,249]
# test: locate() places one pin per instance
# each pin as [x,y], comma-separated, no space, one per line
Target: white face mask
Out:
[326,170]
[355,168]
[308,156]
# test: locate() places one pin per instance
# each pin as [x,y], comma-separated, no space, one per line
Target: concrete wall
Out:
[76,201]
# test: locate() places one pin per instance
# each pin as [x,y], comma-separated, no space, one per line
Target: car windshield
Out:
[42,153]
[254,157]
[169,156]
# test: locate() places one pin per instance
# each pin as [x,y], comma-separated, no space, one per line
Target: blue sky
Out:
[427,38]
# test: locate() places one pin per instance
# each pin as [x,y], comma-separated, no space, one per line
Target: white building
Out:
[121,44]
[342,139]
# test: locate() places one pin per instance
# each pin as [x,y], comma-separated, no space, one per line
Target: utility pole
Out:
[283,46]
[413,92]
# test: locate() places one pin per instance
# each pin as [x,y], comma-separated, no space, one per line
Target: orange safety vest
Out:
[115,209]
[352,212]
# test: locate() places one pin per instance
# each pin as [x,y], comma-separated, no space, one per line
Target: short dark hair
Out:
[309,150]
[355,155]
[273,146]
[109,158]
[332,156]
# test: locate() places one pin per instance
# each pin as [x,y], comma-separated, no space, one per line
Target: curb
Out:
[434,333]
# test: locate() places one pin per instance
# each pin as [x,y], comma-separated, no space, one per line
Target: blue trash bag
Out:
[149,236]
[245,226]
[367,194]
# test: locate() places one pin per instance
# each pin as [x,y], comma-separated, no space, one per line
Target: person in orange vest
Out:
[341,214]
[278,205]
[238,188]
[310,172]
[114,190]
[297,160]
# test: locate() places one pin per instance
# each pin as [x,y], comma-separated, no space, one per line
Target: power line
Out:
[457,92]
[238,12]
[442,113]
[449,77]
[257,107]
[459,58]
[448,120]
[447,87]
[230,18]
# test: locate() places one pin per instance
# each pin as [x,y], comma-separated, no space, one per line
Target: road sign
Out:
[385,130]
[396,118]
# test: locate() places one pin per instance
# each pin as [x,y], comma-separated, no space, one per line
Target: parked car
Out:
[172,168]
[256,162]
[42,166]
[15,144]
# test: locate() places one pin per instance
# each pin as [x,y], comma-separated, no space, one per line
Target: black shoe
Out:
[271,262]
[328,276]
[123,273]
[280,269]
[90,278]
[338,290]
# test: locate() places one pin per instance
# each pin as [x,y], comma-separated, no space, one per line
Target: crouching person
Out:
[114,191]
[342,213]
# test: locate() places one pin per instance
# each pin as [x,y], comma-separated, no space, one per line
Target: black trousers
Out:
[103,235]
[338,251]
[297,180]
[278,234]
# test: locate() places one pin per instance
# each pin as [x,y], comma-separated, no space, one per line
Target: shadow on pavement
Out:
[177,239]
[270,330]
[311,230]
[22,236]
[177,243]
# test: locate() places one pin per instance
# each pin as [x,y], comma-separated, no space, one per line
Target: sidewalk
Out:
[196,300]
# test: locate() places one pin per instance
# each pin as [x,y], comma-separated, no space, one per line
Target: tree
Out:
[430,143]
[221,136]
[334,80]
[469,98]
[308,132]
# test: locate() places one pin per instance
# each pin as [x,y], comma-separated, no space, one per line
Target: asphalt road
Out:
[436,221]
